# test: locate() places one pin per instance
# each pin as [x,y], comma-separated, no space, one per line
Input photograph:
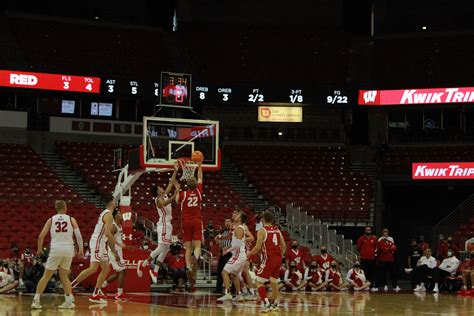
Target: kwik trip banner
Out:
[442,170]
[416,96]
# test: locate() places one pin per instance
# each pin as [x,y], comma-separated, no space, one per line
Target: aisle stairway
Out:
[246,190]
[71,178]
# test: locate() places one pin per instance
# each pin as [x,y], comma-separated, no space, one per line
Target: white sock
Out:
[105,284]
[226,291]
[244,290]
[119,291]
[37,297]
[252,291]
[145,263]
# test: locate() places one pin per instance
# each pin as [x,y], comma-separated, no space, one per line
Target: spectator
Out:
[324,259]
[176,266]
[294,280]
[33,274]
[145,245]
[414,254]
[27,258]
[16,263]
[467,274]
[425,267]
[422,244]
[469,245]
[8,283]
[386,261]
[314,277]
[334,278]
[447,268]
[367,244]
[445,247]
[295,254]
[210,232]
[225,238]
[442,245]
[356,278]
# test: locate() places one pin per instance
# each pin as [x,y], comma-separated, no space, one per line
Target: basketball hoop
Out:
[188,166]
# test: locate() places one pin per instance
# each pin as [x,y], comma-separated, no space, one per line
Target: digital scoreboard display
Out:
[175,89]
[35,80]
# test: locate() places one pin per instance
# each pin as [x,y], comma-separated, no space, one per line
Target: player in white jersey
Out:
[236,263]
[164,228]
[62,227]
[118,264]
[101,236]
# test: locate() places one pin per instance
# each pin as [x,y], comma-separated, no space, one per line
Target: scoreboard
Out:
[176,90]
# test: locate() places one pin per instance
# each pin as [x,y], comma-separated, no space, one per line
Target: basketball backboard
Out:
[167,139]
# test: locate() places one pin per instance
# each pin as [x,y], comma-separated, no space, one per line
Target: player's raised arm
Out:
[162,202]
[171,182]
[42,235]
[200,172]
[77,233]
[108,219]
[258,244]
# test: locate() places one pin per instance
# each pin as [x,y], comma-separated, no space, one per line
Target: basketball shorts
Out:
[164,232]
[118,264]
[99,251]
[236,263]
[54,262]
[192,230]
[269,268]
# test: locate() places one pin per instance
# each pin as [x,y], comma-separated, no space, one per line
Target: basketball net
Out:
[188,167]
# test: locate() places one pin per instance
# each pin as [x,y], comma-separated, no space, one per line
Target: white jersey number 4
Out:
[275,239]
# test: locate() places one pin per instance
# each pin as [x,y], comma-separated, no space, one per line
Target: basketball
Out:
[197,156]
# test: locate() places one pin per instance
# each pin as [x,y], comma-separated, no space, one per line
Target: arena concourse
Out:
[220,158]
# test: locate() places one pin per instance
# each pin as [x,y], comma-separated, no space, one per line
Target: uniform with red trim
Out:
[191,205]
[118,264]
[270,255]
[356,276]
[333,276]
[98,241]
[164,228]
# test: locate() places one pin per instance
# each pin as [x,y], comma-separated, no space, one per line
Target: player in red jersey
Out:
[271,246]
[191,206]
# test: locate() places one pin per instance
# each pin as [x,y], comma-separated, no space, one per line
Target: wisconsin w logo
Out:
[369,96]
[127,216]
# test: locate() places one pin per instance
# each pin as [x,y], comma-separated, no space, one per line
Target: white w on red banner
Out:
[416,96]
[442,170]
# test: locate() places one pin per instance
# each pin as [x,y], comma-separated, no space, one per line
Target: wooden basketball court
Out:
[204,303]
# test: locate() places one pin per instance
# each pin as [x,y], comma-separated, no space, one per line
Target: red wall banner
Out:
[416,96]
[442,170]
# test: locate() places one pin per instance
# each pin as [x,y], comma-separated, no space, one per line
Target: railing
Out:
[206,264]
[149,228]
[460,215]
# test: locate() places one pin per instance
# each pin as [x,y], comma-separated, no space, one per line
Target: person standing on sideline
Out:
[386,261]
[367,244]
[225,239]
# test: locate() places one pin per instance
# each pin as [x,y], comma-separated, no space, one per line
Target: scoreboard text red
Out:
[33,80]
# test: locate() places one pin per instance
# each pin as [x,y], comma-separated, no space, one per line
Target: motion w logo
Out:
[127,216]
[369,96]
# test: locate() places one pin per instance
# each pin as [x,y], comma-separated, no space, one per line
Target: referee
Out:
[225,241]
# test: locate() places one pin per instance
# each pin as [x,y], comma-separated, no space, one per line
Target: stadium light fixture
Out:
[280,133]
[423,28]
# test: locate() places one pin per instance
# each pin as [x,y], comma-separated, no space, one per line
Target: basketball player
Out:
[62,227]
[271,246]
[191,206]
[164,228]
[118,264]
[101,236]
[236,264]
